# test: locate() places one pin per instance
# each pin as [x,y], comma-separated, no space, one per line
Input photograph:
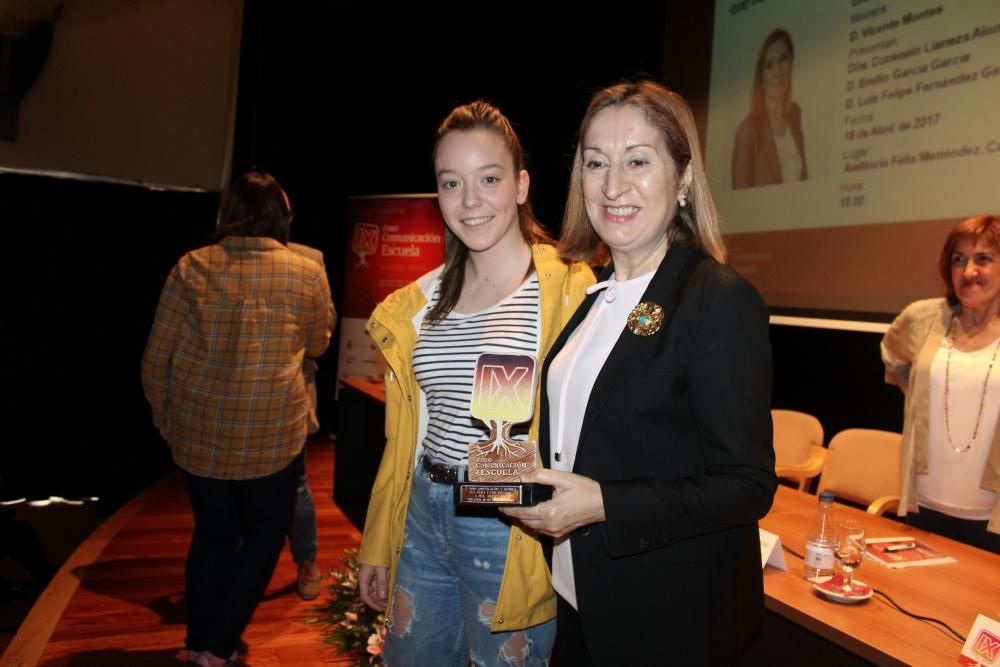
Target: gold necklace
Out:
[982,396]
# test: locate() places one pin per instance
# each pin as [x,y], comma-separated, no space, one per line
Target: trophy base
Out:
[500,494]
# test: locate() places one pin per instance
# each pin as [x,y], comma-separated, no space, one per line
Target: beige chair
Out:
[798,446]
[862,466]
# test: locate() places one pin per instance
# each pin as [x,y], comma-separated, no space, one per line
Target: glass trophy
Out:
[503,394]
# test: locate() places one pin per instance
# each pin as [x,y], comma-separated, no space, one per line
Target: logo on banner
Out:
[987,646]
[365,241]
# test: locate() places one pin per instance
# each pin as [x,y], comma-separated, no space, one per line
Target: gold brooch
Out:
[645,319]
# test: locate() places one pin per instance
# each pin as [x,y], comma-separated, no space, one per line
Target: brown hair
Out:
[758,108]
[985,227]
[479,115]
[696,223]
[255,205]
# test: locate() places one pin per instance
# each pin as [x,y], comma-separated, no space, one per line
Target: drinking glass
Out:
[849,549]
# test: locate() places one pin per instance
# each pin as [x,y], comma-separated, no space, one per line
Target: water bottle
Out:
[820,540]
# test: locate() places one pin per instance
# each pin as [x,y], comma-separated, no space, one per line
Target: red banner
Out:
[393,240]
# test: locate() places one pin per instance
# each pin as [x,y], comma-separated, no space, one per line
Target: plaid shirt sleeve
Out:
[319,326]
[170,312]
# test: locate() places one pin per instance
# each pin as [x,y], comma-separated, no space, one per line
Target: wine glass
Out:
[849,548]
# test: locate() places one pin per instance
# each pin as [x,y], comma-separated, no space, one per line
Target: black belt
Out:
[439,473]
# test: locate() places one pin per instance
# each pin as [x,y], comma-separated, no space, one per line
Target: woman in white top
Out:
[942,354]
[657,416]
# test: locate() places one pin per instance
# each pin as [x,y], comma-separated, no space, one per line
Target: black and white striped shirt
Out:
[444,362]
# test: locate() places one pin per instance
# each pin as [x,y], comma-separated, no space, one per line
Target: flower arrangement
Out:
[355,629]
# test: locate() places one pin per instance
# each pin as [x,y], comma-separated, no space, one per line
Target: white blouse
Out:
[789,157]
[570,380]
[952,483]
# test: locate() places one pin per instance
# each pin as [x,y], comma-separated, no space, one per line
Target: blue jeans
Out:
[447,586]
[302,536]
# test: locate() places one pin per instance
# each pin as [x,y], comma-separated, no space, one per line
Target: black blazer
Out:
[678,433]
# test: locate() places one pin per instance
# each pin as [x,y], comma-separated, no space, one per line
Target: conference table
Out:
[954,593]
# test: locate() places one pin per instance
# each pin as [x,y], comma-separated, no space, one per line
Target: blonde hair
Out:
[697,223]
[758,107]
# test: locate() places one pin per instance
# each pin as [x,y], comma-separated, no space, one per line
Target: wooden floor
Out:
[123,602]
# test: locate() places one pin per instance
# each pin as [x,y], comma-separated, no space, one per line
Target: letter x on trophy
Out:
[503,394]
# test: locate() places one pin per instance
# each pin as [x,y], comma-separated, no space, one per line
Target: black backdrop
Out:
[335,100]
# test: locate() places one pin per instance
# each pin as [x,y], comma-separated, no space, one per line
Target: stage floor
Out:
[120,599]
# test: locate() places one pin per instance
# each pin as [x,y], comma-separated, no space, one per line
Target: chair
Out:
[862,466]
[798,446]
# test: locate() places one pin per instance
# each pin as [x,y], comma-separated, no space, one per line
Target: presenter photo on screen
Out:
[769,148]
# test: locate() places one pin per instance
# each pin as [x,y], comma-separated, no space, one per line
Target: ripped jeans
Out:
[446,590]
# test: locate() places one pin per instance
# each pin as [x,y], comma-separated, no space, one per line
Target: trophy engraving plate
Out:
[495,494]
[503,394]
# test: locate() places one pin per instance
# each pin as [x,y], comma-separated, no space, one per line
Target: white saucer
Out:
[838,596]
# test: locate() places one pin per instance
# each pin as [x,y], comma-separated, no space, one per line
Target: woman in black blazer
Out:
[656,413]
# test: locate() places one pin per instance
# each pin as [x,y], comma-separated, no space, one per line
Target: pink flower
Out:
[376,641]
